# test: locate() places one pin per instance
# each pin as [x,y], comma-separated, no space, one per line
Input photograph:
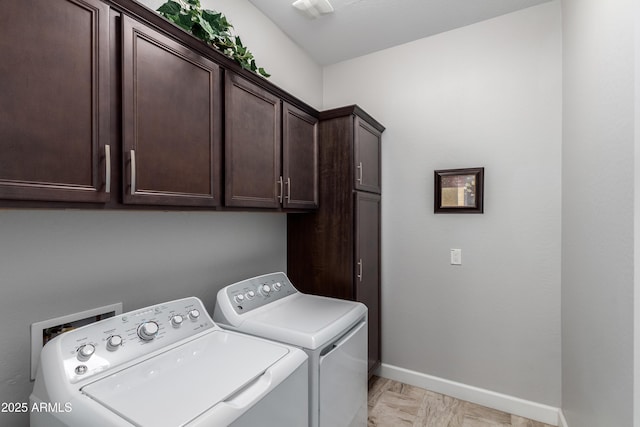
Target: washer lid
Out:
[180,384]
[307,321]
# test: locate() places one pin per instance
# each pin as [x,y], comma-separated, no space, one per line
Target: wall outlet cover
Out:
[456,256]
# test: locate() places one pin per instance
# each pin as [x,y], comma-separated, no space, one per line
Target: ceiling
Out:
[359,27]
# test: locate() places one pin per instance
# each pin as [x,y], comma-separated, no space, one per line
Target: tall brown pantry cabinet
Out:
[335,251]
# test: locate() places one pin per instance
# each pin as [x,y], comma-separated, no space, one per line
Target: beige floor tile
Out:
[377,386]
[517,421]
[483,416]
[394,404]
[438,410]
[394,409]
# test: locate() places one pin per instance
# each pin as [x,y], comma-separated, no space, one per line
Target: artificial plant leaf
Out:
[206,27]
[263,72]
[173,18]
[170,8]
[216,21]
[226,23]
[212,18]
[199,32]
[184,21]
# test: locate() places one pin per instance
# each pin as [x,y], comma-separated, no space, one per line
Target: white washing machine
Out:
[168,365]
[332,332]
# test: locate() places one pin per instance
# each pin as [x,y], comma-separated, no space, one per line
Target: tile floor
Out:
[392,404]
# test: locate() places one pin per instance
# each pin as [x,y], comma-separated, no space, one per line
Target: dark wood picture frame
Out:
[459,190]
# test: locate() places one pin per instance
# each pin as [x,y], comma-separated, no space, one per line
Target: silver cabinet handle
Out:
[360,173]
[280,184]
[133,171]
[360,269]
[288,196]
[107,166]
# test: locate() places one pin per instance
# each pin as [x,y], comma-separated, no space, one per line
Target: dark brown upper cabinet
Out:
[266,167]
[367,157]
[171,121]
[54,101]
[252,145]
[109,104]
[299,159]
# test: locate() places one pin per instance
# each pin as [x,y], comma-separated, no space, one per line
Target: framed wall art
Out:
[459,190]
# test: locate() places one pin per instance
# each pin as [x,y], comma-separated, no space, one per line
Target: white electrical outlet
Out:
[456,256]
[41,332]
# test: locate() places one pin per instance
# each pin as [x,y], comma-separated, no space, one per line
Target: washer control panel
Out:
[103,345]
[258,291]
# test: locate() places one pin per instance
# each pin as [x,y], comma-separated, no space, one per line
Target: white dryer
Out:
[168,365]
[331,331]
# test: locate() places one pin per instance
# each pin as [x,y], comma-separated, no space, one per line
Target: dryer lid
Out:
[308,321]
[178,385]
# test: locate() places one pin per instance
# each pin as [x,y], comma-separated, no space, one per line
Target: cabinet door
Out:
[252,145]
[367,157]
[299,158]
[367,265]
[54,100]
[171,121]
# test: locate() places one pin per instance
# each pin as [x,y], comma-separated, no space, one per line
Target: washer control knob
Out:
[265,290]
[194,314]
[277,286]
[114,342]
[86,351]
[148,330]
[239,298]
[177,320]
[250,295]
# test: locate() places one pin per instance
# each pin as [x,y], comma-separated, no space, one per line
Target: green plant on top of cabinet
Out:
[270,157]
[211,27]
[171,121]
[54,101]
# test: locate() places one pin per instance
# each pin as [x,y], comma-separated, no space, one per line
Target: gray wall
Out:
[54,263]
[487,95]
[598,212]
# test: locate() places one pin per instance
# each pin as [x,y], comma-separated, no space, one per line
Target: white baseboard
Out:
[562,422]
[502,402]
